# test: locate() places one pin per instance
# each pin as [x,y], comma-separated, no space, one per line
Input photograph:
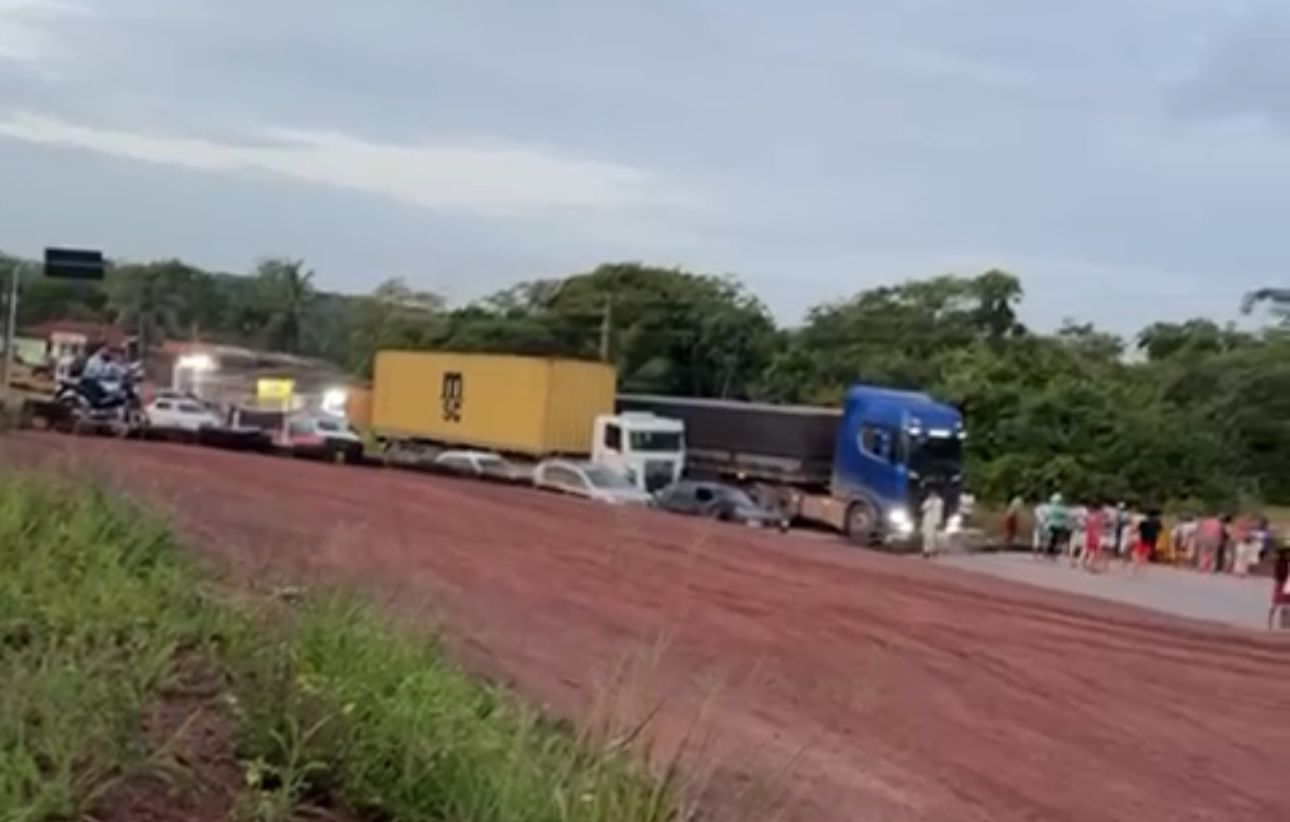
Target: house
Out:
[28,350]
[72,338]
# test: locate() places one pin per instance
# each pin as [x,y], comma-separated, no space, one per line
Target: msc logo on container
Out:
[451,396]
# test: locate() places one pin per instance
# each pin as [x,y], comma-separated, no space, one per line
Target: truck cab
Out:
[647,449]
[893,449]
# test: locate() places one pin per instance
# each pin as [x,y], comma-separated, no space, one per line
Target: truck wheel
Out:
[861,523]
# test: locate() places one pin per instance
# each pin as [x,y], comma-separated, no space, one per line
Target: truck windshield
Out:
[938,456]
[668,441]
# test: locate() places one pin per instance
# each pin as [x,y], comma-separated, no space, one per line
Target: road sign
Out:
[74,264]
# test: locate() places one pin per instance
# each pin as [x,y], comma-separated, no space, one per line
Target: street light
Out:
[334,400]
[194,365]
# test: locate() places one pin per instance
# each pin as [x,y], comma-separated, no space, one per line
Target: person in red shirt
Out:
[1280,594]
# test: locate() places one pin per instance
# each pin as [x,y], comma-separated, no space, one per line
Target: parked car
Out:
[179,414]
[476,464]
[719,501]
[321,436]
[590,480]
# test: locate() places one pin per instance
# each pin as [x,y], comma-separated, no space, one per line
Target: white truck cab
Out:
[647,449]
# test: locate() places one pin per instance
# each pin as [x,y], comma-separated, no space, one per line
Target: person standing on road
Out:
[933,518]
[1120,523]
[1039,532]
[1078,523]
[1268,540]
[1184,539]
[1224,550]
[1209,535]
[1247,546]
[1148,535]
[1012,522]
[1280,589]
[1057,524]
[1094,525]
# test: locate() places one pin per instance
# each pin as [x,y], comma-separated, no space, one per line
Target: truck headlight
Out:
[899,520]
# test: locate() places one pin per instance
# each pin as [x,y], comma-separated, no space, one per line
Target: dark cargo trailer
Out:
[751,441]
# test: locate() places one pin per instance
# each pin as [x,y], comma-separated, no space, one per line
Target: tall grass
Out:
[388,723]
[334,705]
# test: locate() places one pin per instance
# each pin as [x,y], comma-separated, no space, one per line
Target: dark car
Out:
[719,501]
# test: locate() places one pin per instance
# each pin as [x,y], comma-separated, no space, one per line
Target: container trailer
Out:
[526,407]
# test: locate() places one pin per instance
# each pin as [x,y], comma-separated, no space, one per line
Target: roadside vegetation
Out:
[325,703]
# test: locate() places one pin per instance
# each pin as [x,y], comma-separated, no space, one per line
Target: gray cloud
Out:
[813,149]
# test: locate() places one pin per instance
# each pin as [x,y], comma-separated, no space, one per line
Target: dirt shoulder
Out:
[850,685]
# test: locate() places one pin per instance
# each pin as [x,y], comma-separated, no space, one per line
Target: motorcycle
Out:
[111,405]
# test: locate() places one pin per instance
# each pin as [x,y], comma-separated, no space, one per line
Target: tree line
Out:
[1191,413]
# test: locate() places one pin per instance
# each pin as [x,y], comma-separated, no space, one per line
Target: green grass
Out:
[334,704]
[399,731]
[94,608]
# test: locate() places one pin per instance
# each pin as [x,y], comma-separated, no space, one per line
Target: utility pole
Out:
[606,330]
[11,321]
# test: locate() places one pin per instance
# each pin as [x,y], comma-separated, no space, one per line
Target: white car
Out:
[477,464]
[590,480]
[180,414]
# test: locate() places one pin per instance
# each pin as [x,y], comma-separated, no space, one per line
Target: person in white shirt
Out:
[933,517]
[101,375]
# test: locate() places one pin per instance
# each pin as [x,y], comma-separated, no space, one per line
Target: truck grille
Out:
[658,474]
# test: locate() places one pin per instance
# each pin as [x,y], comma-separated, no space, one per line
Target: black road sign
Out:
[73,264]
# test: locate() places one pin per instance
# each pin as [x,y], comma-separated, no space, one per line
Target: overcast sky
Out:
[1130,159]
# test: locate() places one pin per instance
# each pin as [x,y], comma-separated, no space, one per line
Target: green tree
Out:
[159,300]
[1193,338]
[894,335]
[286,293]
[393,316]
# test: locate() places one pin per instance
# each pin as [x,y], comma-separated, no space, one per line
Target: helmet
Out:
[1056,499]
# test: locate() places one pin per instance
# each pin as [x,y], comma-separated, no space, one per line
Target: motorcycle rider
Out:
[102,375]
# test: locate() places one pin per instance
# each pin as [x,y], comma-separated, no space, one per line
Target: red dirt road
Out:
[849,685]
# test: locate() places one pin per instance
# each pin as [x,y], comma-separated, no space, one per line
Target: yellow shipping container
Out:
[358,408]
[525,405]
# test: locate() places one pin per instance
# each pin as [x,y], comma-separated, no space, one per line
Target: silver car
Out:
[589,480]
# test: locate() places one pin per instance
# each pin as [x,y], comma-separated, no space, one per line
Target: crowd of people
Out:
[1090,535]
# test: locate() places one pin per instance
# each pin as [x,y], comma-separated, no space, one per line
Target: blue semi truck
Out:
[863,470]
